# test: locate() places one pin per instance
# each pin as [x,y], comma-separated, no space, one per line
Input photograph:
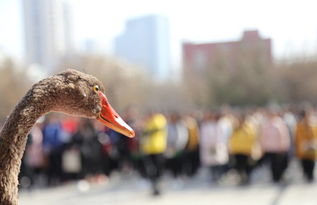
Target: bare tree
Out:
[13,84]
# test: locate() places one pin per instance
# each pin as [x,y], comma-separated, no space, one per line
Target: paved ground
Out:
[130,189]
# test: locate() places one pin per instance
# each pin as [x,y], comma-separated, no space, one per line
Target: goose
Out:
[71,92]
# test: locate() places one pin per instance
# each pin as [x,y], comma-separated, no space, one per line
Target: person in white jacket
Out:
[213,145]
[275,143]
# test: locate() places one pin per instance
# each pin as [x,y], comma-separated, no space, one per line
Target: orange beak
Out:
[110,118]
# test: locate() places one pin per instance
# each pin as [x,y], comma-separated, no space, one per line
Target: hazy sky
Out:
[291,24]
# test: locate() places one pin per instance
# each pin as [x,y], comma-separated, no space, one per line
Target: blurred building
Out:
[47,29]
[251,47]
[145,42]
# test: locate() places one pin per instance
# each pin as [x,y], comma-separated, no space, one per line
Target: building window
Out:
[200,60]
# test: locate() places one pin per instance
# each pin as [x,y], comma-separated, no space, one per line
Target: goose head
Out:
[76,93]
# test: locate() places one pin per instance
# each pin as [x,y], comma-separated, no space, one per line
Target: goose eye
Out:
[96,88]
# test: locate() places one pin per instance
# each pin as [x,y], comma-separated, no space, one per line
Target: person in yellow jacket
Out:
[306,144]
[241,145]
[153,145]
[191,157]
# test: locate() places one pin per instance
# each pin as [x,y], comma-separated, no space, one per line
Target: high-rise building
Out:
[145,42]
[251,47]
[47,29]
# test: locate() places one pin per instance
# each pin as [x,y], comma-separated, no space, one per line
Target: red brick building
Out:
[250,48]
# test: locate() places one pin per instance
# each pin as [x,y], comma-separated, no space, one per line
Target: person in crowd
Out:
[191,157]
[291,121]
[225,126]
[131,116]
[71,161]
[177,137]
[306,143]
[90,148]
[34,154]
[153,145]
[53,148]
[213,146]
[124,146]
[241,145]
[225,123]
[275,143]
[122,156]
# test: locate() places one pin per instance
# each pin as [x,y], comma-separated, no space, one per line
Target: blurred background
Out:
[221,95]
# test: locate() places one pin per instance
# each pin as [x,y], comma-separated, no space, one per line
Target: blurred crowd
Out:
[61,149]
